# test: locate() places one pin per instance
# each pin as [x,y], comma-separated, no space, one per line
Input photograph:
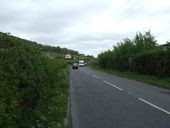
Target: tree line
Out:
[140,54]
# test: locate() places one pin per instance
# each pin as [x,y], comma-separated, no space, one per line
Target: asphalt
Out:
[101,100]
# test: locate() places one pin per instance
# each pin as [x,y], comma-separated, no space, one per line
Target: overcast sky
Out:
[87,26]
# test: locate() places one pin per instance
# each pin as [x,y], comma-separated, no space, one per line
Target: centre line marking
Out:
[95,76]
[87,72]
[154,106]
[113,85]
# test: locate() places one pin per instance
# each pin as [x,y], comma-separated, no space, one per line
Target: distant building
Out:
[67,57]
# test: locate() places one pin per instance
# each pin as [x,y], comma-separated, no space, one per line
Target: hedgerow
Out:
[33,87]
[155,62]
[140,54]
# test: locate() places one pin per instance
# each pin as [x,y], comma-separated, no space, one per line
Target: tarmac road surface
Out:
[101,100]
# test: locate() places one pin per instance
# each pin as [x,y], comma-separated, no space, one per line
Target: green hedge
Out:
[140,54]
[156,62]
[33,87]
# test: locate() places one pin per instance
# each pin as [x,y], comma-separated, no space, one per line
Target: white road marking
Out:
[113,85]
[95,76]
[88,73]
[154,106]
[84,71]
[161,109]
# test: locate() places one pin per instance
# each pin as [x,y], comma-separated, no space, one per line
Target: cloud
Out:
[89,26]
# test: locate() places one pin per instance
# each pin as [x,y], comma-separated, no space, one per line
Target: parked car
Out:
[75,66]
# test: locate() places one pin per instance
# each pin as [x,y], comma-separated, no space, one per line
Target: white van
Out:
[81,63]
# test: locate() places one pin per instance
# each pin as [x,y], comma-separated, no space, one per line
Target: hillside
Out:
[33,86]
[44,48]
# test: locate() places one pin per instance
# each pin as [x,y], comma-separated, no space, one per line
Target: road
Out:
[101,100]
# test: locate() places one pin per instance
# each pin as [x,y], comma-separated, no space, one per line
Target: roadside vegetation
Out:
[33,86]
[140,58]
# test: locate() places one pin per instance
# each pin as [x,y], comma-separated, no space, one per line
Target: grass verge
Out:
[153,80]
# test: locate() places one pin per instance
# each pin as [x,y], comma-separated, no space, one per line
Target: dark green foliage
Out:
[6,37]
[144,42]
[57,49]
[33,87]
[140,54]
[155,62]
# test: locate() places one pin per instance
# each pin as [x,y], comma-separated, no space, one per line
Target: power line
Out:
[136,10]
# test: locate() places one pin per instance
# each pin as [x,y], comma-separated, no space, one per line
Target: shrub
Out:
[155,62]
[33,87]
[140,54]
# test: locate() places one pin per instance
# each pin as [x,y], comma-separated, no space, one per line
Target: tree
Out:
[144,42]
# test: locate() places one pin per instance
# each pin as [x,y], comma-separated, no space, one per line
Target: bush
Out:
[156,62]
[140,54]
[33,87]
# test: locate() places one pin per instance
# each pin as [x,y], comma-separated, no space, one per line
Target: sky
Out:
[87,26]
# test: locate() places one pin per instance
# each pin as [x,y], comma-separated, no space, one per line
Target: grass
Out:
[153,80]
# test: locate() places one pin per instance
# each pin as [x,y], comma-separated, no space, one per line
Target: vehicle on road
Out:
[81,63]
[75,66]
